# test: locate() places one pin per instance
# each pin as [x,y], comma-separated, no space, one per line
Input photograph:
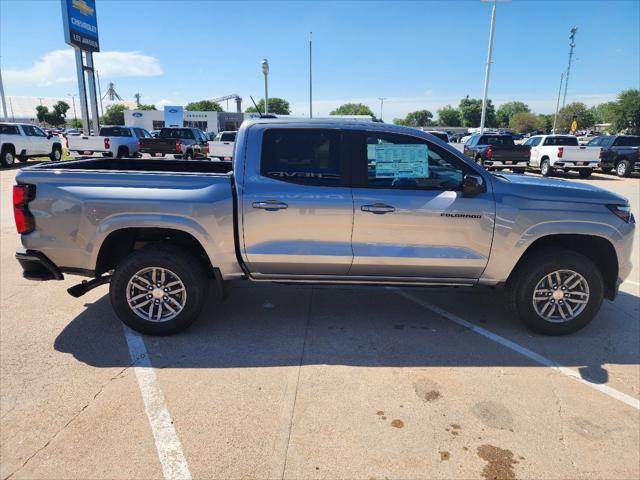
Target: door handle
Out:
[270,205]
[378,208]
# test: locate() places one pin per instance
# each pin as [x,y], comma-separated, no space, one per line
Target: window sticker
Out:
[399,161]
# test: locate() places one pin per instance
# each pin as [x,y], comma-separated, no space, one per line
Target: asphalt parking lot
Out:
[309,382]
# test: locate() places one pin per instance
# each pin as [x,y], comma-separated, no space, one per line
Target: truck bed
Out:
[138,165]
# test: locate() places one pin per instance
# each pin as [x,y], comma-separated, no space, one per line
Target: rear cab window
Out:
[307,156]
[496,140]
[115,132]
[182,133]
[228,137]
[561,141]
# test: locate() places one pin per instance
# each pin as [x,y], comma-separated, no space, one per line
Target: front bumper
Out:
[37,266]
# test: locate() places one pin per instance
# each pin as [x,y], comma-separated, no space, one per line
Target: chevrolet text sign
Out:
[81,24]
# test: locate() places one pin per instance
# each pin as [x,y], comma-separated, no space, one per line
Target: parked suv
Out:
[23,141]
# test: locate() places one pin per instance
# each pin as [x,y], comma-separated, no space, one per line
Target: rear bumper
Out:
[37,266]
[505,164]
[571,165]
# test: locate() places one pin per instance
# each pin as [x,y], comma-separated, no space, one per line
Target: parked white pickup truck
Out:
[23,141]
[112,142]
[561,152]
[222,146]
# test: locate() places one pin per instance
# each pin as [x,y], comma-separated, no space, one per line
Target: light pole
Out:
[73,101]
[265,72]
[555,118]
[488,68]
[572,45]
[5,114]
[382,99]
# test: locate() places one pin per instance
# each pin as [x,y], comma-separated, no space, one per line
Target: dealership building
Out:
[205,121]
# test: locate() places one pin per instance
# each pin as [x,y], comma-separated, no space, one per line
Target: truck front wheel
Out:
[159,290]
[556,293]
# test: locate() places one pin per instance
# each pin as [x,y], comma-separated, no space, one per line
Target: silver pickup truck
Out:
[321,202]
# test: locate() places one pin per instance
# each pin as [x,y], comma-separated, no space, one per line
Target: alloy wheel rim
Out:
[156,294]
[9,158]
[561,296]
[621,169]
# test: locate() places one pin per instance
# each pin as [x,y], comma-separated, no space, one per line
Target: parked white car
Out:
[118,142]
[221,147]
[561,152]
[23,141]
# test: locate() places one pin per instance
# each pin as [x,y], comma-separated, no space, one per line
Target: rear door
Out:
[297,208]
[410,217]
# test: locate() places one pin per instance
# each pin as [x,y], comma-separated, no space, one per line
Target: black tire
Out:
[7,157]
[585,173]
[123,152]
[185,266]
[188,155]
[606,169]
[623,169]
[519,170]
[545,168]
[56,153]
[537,266]
[480,162]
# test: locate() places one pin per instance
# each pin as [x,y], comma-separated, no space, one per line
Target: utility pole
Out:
[310,80]
[382,99]
[555,118]
[5,114]
[572,45]
[137,97]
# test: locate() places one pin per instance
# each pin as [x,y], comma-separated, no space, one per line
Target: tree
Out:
[508,110]
[545,122]
[205,106]
[605,112]
[114,114]
[278,106]
[419,118]
[471,112]
[353,109]
[74,123]
[583,115]
[449,117]
[524,122]
[628,112]
[56,117]
[142,106]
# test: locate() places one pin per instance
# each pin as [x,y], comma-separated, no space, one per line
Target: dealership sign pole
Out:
[80,25]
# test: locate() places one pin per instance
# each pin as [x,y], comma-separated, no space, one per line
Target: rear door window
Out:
[9,129]
[302,156]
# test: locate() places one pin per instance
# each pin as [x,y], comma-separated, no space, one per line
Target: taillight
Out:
[178,145]
[621,211]
[22,195]
[529,154]
[107,145]
[601,155]
[465,149]
[560,151]
[489,153]
[139,145]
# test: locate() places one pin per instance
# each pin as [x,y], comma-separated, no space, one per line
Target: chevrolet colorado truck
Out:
[497,151]
[321,201]
[618,152]
[552,153]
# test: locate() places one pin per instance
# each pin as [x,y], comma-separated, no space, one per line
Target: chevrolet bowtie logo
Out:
[82,6]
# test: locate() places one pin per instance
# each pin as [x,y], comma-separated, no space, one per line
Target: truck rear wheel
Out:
[159,290]
[56,153]
[7,157]
[545,168]
[123,152]
[188,155]
[556,293]
[623,169]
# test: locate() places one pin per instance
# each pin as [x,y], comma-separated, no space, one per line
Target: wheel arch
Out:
[596,248]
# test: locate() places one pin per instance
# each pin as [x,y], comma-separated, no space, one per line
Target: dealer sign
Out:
[80,24]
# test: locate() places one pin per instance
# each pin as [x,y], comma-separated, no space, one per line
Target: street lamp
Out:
[382,99]
[265,72]
[488,69]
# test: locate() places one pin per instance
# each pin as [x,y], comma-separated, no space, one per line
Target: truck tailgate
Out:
[510,153]
[87,144]
[580,154]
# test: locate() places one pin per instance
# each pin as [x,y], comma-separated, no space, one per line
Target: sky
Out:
[421,54]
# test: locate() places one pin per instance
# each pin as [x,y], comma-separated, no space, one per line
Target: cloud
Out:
[58,67]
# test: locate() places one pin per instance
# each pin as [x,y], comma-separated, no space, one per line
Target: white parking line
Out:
[612,392]
[631,282]
[174,463]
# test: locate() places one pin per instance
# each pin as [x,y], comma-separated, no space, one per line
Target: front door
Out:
[297,209]
[410,216]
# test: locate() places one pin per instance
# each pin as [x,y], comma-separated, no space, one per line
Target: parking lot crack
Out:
[69,422]
[563,439]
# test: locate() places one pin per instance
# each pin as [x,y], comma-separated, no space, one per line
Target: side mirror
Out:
[473,185]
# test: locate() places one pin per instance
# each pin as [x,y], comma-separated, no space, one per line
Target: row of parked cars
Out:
[556,153]
[24,141]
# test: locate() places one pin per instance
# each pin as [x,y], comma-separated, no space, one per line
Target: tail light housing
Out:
[107,144]
[601,154]
[139,145]
[489,153]
[22,195]
[529,152]
[178,145]
[560,152]
[623,212]
[465,149]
